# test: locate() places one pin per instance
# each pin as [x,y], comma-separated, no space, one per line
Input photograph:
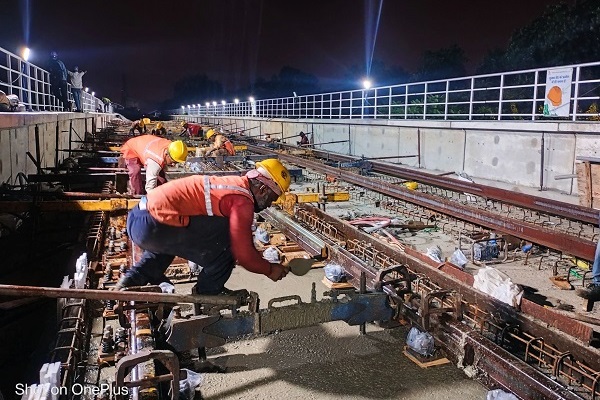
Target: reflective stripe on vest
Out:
[208,187]
[147,150]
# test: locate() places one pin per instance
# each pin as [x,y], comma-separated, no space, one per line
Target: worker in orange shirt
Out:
[191,129]
[221,146]
[155,153]
[199,218]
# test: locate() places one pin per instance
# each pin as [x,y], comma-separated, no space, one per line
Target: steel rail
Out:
[575,246]
[570,211]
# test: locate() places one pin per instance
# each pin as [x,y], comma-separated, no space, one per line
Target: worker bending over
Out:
[221,146]
[155,153]
[303,139]
[191,129]
[160,129]
[207,220]
[140,126]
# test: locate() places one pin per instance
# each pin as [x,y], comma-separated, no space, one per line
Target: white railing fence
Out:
[515,95]
[32,85]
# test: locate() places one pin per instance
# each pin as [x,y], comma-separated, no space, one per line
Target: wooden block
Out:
[336,285]
[561,282]
[422,361]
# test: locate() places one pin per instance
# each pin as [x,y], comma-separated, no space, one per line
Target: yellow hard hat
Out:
[411,185]
[276,171]
[159,125]
[210,133]
[146,121]
[183,124]
[178,151]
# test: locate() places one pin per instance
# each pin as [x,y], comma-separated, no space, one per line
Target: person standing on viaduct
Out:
[155,153]
[77,86]
[58,80]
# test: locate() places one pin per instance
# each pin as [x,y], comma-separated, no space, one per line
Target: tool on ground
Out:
[300,266]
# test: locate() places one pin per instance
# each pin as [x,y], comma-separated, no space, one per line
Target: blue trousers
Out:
[596,266]
[204,241]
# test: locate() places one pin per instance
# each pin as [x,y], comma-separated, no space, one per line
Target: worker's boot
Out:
[124,282]
[591,292]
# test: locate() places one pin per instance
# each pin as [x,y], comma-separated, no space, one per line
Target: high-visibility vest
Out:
[174,202]
[229,147]
[146,147]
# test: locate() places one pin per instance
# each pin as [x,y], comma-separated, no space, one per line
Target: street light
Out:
[366,85]
[25,78]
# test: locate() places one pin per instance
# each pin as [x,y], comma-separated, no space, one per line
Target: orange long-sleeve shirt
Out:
[174,202]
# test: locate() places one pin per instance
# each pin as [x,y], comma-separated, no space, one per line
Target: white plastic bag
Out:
[421,342]
[498,285]
[187,385]
[334,272]
[499,394]
[271,254]
[262,235]
[458,258]
[435,253]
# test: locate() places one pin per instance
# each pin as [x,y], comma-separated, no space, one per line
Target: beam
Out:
[68,205]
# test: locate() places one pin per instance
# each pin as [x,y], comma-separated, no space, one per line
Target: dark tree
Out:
[442,64]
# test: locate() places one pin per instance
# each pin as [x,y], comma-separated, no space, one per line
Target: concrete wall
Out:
[17,137]
[509,152]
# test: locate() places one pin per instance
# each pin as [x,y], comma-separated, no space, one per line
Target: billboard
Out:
[557,100]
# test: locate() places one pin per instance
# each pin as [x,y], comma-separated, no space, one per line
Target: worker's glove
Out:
[278,272]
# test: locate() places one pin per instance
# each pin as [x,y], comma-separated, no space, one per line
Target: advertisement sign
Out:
[557,100]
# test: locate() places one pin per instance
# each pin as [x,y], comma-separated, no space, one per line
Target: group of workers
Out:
[198,218]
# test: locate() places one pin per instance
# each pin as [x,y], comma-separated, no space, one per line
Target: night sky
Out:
[149,45]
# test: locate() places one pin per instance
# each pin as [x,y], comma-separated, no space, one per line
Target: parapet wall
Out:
[524,153]
[54,131]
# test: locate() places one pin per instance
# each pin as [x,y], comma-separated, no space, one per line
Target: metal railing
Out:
[515,95]
[32,85]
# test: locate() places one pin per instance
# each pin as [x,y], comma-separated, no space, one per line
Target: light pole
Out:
[25,79]
[366,86]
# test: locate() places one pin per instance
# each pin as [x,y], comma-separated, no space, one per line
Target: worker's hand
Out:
[278,272]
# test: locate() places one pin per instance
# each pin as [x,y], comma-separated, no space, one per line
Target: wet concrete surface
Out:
[329,361]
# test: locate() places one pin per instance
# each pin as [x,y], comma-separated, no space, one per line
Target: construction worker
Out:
[154,153]
[139,125]
[200,218]
[191,129]
[303,139]
[160,129]
[221,146]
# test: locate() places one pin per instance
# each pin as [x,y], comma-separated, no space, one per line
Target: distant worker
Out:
[221,146]
[303,139]
[140,126]
[77,86]
[160,129]
[155,154]
[207,220]
[191,129]
[58,80]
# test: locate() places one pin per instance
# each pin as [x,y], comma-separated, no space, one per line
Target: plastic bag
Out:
[459,259]
[421,342]
[334,272]
[167,287]
[435,253]
[187,385]
[499,394]
[271,254]
[498,285]
[194,268]
[262,235]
